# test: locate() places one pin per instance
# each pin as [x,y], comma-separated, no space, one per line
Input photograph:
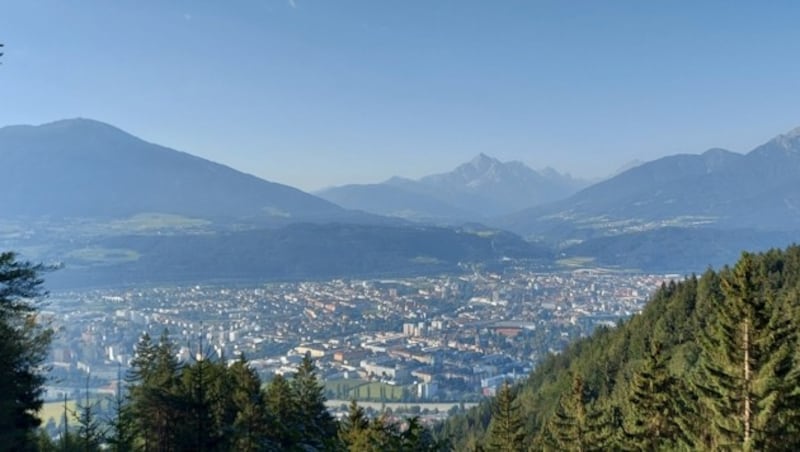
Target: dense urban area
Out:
[438,342]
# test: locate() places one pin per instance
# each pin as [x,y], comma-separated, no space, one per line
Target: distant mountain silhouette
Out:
[85,168]
[387,199]
[759,190]
[476,190]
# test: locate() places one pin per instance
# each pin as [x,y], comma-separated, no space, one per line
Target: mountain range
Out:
[474,191]
[105,202]
[759,189]
[116,209]
[682,204]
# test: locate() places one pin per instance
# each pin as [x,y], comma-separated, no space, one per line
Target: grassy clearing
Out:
[377,390]
[363,390]
[145,222]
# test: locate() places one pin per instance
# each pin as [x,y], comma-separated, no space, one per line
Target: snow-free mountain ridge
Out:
[474,191]
[742,196]
[84,168]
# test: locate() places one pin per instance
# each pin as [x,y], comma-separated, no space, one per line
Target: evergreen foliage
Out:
[119,435]
[711,363]
[577,424]
[251,417]
[153,389]
[281,403]
[207,405]
[353,427]
[654,409]
[314,423]
[505,430]
[359,434]
[24,342]
[90,433]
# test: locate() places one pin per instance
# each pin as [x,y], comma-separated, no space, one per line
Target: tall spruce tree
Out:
[192,407]
[120,423]
[655,413]
[505,428]
[281,404]
[91,432]
[577,425]
[746,361]
[24,343]
[153,383]
[353,428]
[252,417]
[316,425]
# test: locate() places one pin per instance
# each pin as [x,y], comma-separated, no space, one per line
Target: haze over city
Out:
[317,93]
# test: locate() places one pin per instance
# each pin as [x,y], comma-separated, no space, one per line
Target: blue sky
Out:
[320,92]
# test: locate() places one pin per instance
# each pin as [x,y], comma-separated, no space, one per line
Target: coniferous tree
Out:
[24,342]
[193,407]
[252,417]
[281,404]
[505,428]
[746,359]
[120,424]
[776,387]
[410,435]
[383,435]
[316,426]
[67,441]
[220,388]
[655,415]
[415,437]
[353,428]
[207,405]
[45,443]
[90,433]
[154,379]
[576,424]
[700,326]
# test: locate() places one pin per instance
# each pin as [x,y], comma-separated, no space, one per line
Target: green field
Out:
[146,222]
[363,390]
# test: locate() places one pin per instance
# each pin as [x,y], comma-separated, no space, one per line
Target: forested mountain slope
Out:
[712,363]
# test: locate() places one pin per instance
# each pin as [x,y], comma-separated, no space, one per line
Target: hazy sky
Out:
[319,92]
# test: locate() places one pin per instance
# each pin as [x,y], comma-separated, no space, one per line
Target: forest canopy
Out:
[711,363]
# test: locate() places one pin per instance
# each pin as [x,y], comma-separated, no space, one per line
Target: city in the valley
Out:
[424,340]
